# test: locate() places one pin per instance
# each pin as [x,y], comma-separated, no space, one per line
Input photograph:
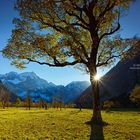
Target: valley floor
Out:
[67,124]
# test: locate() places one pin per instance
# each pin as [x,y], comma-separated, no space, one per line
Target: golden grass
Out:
[67,124]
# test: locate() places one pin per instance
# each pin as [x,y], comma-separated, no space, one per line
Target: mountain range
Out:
[29,84]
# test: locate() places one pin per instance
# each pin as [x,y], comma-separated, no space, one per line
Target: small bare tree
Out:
[42,103]
[4,97]
[54,102]
[28,101]
[18,102]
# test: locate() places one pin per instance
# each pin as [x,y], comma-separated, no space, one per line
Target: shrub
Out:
[135,95]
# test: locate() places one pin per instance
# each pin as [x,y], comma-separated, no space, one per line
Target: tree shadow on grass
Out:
[96,130]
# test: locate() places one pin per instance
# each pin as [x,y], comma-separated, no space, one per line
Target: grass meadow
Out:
[67,124]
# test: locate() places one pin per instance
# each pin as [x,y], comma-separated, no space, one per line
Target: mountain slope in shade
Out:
[74,90]
[6,93]
[29,83]
[119,81]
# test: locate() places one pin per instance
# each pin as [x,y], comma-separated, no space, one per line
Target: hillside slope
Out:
[119,81]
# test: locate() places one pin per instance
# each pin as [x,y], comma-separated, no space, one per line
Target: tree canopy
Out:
[67,32]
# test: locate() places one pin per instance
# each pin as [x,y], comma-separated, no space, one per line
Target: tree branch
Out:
[56,64]
[78,17]
[107,8]
[81,10]
[107,61]
[111,32]
[92,4]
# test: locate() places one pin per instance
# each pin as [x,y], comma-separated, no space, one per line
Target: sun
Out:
[97,77]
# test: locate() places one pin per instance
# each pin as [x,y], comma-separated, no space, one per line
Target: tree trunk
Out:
[3,105]
[97,118]
[29,105]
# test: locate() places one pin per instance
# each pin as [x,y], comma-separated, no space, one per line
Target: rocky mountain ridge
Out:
[31,84]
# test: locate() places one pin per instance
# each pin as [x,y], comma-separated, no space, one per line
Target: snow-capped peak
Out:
[21,84]
[25,75]
[11,75]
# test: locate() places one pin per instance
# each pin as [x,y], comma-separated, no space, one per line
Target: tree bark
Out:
[97,118]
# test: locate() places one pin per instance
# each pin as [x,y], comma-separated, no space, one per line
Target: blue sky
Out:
[130,26]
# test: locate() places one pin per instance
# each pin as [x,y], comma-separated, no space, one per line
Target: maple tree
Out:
[62,33]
